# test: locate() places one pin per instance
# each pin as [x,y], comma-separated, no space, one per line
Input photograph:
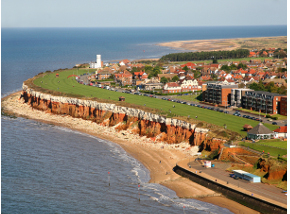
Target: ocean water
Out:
[49,169]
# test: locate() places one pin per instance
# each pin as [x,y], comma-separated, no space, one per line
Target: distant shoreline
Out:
[227,44]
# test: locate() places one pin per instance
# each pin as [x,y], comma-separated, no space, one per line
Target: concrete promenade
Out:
[241,190]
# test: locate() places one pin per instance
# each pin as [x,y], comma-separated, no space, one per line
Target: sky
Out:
[142,13]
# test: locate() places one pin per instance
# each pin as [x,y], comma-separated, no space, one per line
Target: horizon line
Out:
[154,26]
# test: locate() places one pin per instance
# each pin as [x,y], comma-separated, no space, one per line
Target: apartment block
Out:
[283,106]
[219,92]
[236,96]
[261,100]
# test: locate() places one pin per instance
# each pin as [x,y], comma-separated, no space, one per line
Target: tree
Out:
[214,61]
[243,66]
[185,68]
[164,80]
[175,78]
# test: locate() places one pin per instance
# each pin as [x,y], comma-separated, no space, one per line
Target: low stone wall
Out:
[249,201]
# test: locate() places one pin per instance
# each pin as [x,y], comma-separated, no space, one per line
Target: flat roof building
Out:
[247,176]
[267,102]
[219,92]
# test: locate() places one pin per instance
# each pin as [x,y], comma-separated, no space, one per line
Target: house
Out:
[124,62]
[260,132]
[277,82]
[189,65]
[171,87]
[105,74]
[167,76]
[281,132]
[123,78]
[188,85]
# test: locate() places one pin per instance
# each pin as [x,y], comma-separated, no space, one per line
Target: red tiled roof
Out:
[172,84]
[281,129]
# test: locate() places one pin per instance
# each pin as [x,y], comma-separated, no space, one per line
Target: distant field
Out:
[71,86]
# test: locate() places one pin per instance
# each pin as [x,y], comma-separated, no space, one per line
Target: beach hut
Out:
[121,98]
[207,164]
[247,127]
[260,132]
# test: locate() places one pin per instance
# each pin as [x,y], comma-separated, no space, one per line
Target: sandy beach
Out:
[159,158]
[228,44]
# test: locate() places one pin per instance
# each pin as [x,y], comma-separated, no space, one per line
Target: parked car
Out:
[226,112]
[274,123]
[163,98]
[270,119]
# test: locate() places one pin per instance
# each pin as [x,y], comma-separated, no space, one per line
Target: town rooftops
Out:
[260,129]
[281,129]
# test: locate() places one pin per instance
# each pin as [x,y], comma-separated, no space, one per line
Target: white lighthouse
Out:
[98,63]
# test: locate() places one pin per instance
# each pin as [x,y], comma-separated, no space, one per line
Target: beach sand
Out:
[228,44]
[159,158]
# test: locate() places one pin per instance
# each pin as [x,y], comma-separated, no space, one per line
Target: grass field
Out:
[194,97]
[71,86]
[259,147]
[274,143]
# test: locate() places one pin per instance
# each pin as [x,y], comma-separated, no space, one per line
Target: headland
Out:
[158,157]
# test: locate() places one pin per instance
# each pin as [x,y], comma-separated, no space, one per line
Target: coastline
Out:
[159,158]
[222,44]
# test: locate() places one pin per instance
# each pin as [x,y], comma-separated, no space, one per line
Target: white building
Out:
[98,63]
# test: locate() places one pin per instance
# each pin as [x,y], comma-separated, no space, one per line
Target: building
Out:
[123,78]
[172,87]
[263,101]
[98,63]
[236,96]
[188,85]
[247,176]
[283,106]
[219,92]
[281,132]
[260,132]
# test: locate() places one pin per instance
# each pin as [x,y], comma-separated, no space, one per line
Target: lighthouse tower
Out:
[98,63]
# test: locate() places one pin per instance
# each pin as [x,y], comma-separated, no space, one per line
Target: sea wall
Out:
[123,118]
[242,198]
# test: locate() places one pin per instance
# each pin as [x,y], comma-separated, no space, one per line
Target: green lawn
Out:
[259,147]
[274,143]
[194,97]
[71,86]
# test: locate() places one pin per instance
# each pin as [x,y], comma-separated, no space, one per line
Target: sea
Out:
[51,169]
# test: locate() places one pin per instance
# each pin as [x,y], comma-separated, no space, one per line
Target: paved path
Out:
[263,191]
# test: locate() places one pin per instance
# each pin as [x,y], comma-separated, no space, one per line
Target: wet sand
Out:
[159,158]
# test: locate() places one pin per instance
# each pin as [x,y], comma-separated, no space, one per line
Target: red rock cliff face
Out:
[162,132]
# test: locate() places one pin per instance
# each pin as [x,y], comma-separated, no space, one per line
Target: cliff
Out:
[122,118]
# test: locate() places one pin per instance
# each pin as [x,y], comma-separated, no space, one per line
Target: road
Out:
[84,78]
